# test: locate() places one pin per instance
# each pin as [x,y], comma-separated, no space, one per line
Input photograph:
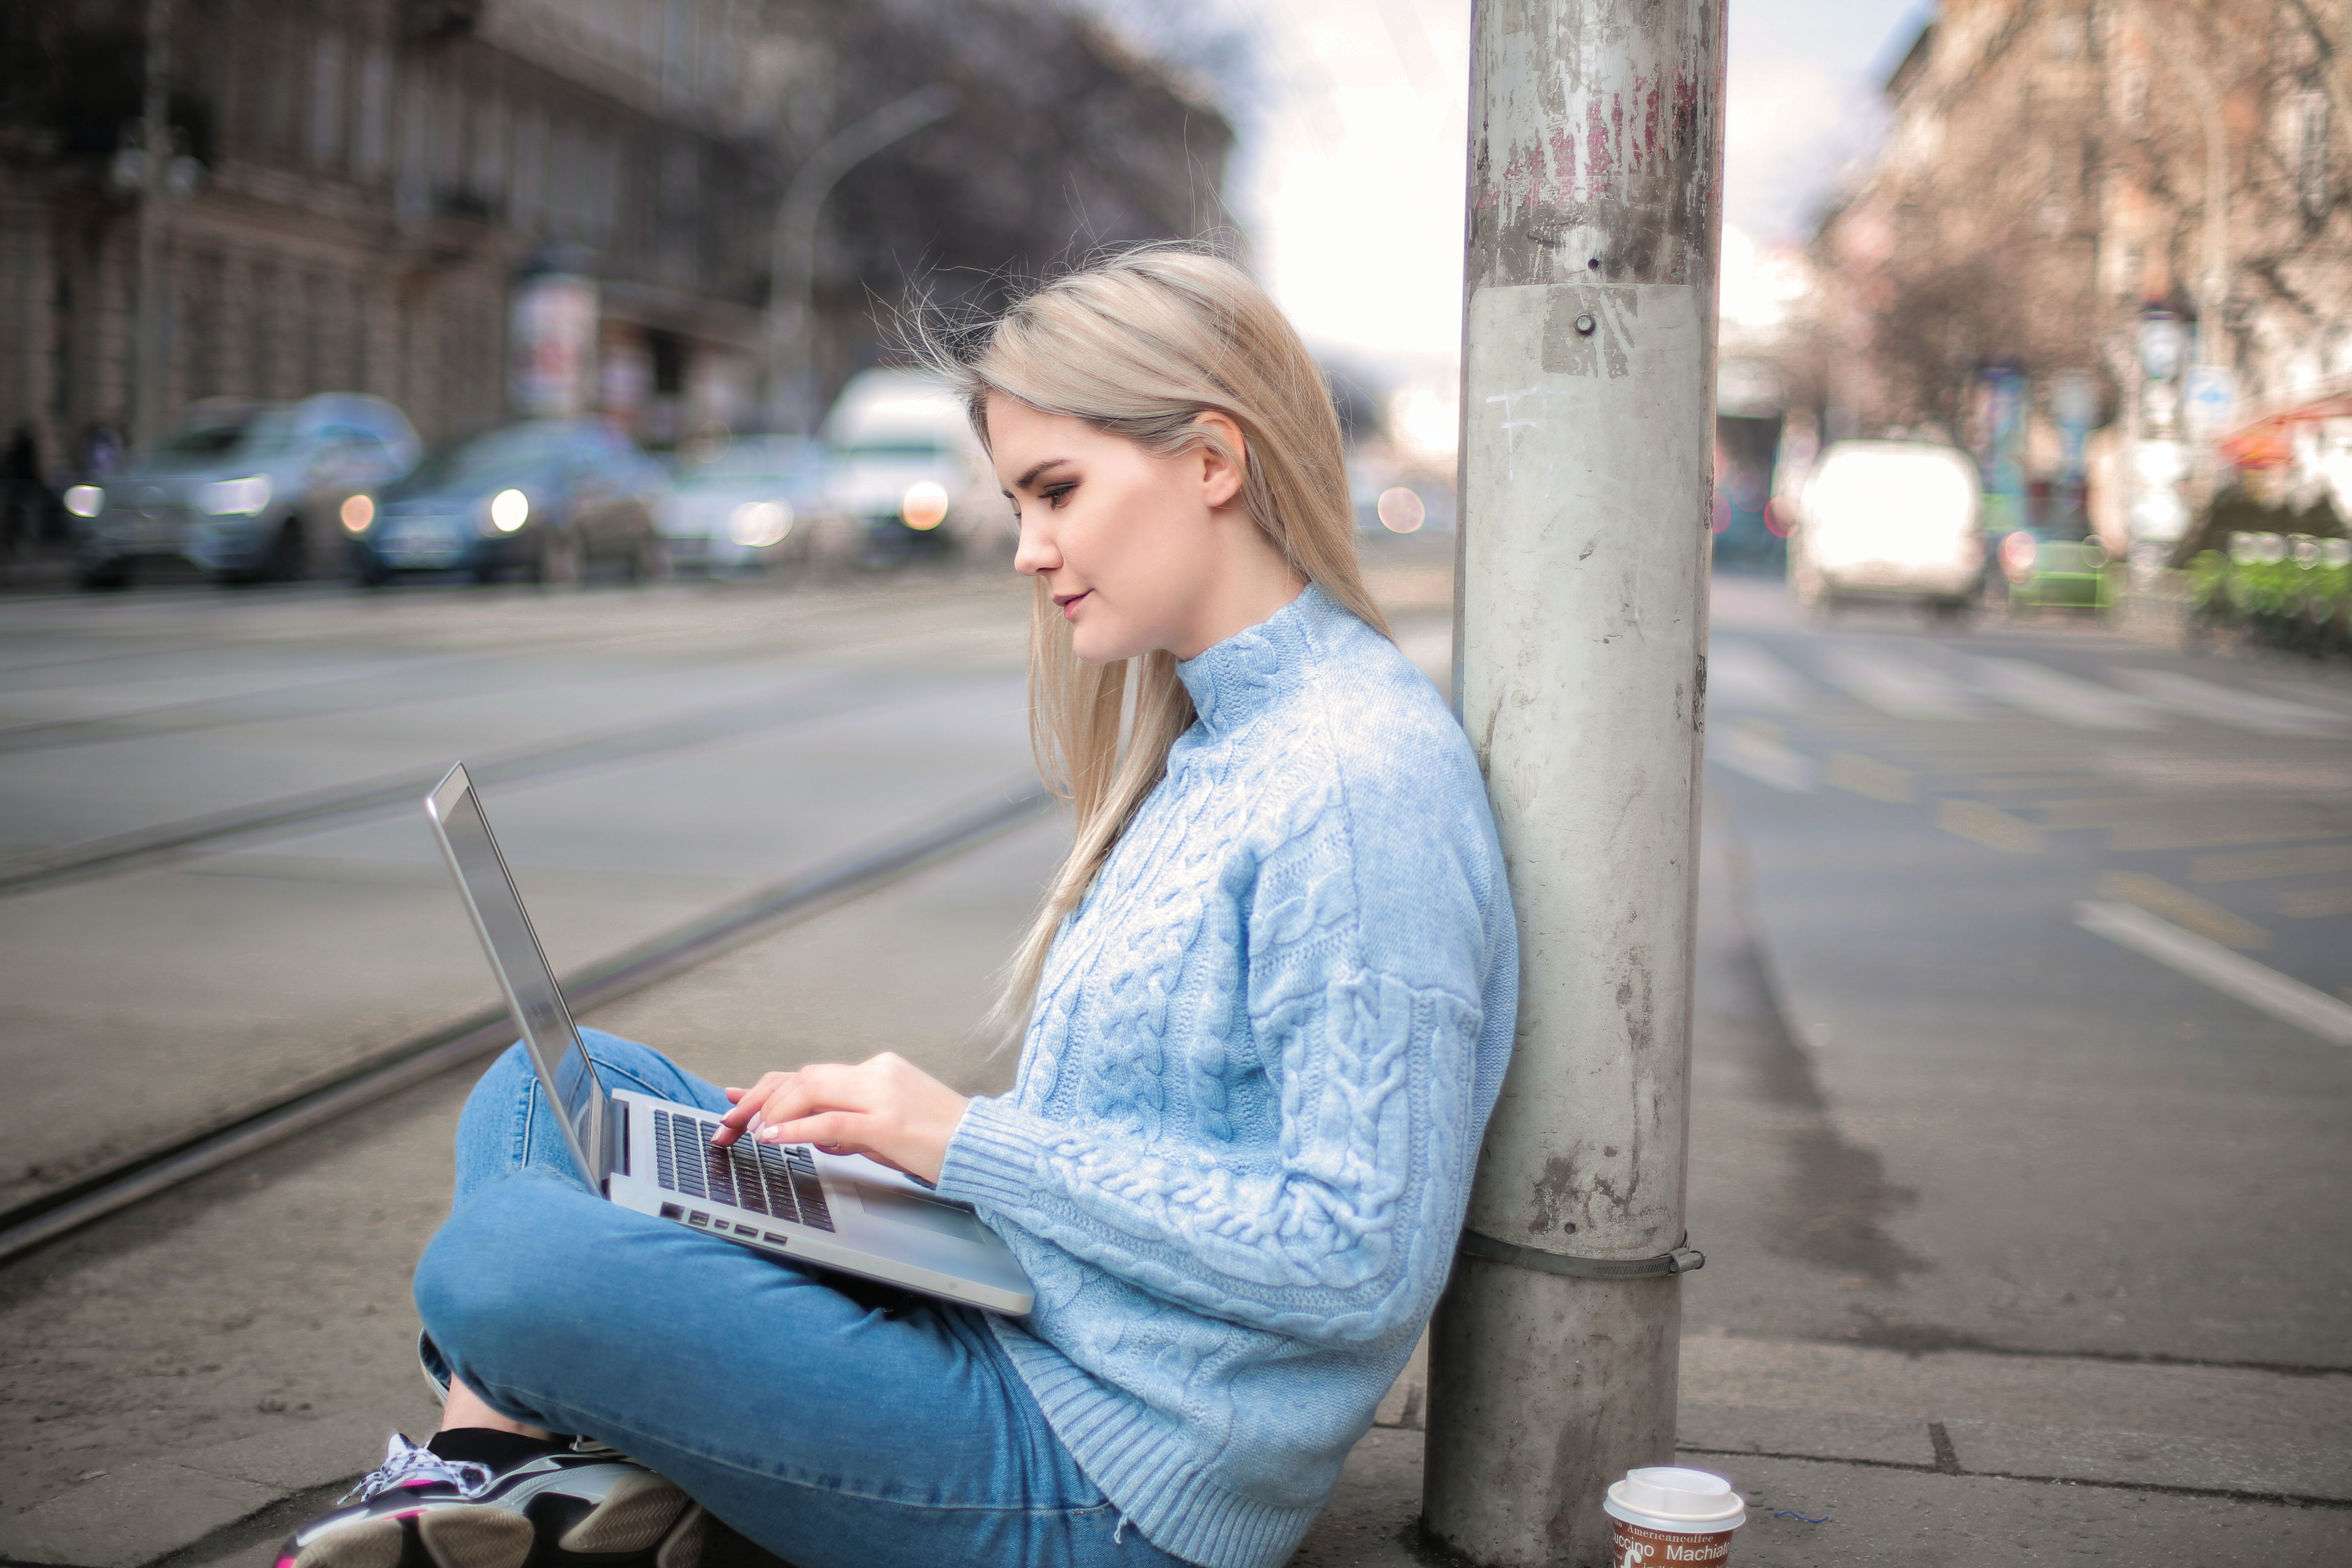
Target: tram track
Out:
[135,1178]
[117,853]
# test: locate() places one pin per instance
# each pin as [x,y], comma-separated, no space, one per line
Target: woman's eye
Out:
[1054,493]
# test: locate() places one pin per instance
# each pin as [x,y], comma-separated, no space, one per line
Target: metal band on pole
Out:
[1684,1259]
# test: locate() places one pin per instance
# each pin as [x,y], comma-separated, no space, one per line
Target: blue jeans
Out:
[832,1422]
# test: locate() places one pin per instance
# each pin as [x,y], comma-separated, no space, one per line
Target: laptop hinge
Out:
[616,1139]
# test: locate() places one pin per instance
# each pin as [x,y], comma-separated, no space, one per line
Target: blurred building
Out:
[482,208]
[2101,243]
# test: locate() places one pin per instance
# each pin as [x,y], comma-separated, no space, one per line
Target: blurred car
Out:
[545,498]
[909,472]
[243,490]
[745,505]
[1888,519]
[2042,566]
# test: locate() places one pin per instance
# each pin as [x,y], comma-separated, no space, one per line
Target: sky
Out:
[1348,179]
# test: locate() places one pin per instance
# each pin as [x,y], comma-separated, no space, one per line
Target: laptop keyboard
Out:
[779,1182]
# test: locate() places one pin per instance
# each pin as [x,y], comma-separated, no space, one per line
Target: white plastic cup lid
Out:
[1676,1496]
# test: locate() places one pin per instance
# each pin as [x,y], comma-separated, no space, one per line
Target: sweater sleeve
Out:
[1343,1233]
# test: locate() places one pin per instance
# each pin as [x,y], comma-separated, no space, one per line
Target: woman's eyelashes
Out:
[1054,493]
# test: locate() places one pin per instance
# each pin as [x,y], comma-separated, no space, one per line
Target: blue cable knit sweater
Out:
[1235,1160]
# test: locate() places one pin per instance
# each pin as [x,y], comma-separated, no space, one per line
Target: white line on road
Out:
[2227,705]
[1742,675]
[2085,704]
[2233,974]
[1763,758]
[1895,685]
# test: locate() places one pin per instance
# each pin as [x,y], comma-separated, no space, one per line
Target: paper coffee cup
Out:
[1665,1516]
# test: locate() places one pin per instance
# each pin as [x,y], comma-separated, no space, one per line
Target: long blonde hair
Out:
[1140,345]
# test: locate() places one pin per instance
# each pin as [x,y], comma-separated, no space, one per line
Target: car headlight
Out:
[85,501]
[357,512]
[238,497]
[509,509]
[2017,554]
[1399,509]
[924,506]
[758,523]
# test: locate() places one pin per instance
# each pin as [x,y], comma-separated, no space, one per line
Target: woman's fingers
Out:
[748,1104]
[835,1131]
[886,1108]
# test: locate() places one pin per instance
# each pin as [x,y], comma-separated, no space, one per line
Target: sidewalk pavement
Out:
[189,1380]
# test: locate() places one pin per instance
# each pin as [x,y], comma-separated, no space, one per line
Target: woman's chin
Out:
[1099,644]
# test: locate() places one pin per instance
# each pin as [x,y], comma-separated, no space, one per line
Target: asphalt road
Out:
[2014,888]
[218,885]
[1963,1165]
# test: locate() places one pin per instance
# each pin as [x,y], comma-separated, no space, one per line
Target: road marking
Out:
[1742,675]
[2297,692]
[2227,705]
[2182,907]
[2316,903]
[2207,820]
[1868,776]
[2233,974]
[2258,865]
[1895,685]
[1989,825]
[2085,704]
[1758,752]
[2144,837]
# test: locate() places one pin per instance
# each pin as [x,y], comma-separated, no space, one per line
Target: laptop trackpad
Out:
[931,1213]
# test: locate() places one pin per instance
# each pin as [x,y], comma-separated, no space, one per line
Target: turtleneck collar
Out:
[1242,677]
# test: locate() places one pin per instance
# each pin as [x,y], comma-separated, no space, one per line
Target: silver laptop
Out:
[841,1211]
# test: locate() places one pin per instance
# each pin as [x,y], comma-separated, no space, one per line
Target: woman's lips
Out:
[1069,602]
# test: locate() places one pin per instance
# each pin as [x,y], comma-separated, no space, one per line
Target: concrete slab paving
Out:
[1813,1514]
[2022,1391]
[2278,1465]
[131,1516]
[1851,1435]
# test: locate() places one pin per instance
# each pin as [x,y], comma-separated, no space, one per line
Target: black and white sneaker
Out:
[585,1507]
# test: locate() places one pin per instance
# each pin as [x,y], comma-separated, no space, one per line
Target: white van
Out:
[1888,519]
[909,472]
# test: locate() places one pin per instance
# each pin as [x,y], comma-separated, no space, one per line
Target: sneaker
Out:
[417,1509]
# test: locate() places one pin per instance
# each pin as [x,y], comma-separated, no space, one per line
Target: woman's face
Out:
[1140,551]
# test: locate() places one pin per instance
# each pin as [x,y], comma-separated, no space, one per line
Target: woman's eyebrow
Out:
[1026,481]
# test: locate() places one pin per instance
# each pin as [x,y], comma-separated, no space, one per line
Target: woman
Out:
[1265,1008]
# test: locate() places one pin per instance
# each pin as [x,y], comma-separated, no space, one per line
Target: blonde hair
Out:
[1140,345]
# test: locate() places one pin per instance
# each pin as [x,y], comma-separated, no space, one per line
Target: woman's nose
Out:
[1035,551]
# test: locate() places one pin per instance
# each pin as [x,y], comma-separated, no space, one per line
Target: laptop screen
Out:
[538,1009]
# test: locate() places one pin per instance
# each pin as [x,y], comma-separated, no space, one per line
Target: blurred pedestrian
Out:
[1264,1011]
[25,499]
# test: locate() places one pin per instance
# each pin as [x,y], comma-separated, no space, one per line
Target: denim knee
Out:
[505,1081]
[496,1274]
[635,1065]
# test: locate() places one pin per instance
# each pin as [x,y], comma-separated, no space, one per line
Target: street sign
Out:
[2209,400]
[2160,342]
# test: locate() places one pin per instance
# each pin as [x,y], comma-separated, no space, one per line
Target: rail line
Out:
[123,852]
[128,1180]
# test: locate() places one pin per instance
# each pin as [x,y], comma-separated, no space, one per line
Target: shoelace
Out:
[408,1464]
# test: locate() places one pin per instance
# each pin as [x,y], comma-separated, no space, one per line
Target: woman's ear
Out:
[1222,478]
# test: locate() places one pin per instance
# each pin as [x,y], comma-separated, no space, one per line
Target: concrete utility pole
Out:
[792,267]
[148,359]
[1588,407]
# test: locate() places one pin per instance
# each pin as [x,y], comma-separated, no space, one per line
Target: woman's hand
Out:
[886,1109]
